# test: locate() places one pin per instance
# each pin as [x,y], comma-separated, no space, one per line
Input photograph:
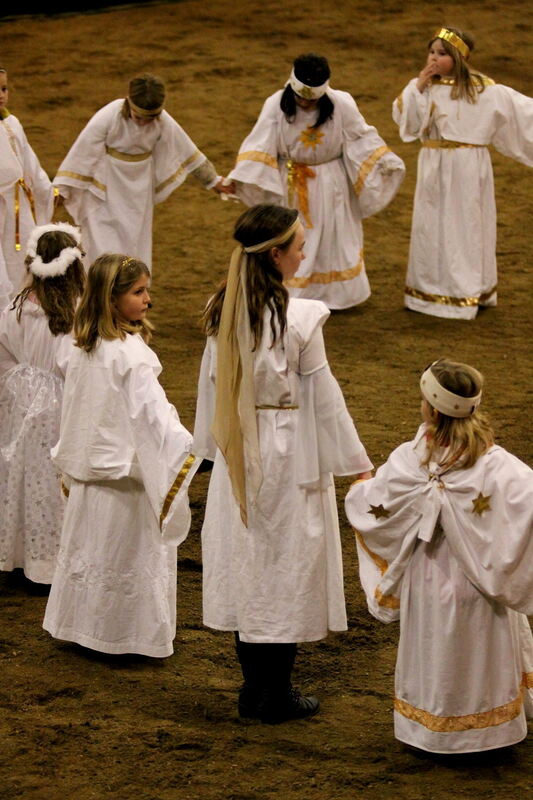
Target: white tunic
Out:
[450,553]
[32,366]
[280,579]
[346,173]
[22,181]
[116,171]
[452,257]
[126,462]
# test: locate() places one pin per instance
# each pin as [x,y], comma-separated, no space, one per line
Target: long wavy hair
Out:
[109,276]
[468,84]
[464,439]
[264,282]
[313,70]
[58,296]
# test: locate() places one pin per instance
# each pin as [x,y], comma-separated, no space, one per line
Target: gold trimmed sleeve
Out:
[65,173]
[367,167]
[180,170]
[176,486]
[258,155]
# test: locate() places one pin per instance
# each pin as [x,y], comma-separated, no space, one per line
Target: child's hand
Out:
[425,76]
[363,476]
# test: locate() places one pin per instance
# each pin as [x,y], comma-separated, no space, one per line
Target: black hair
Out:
[313,70]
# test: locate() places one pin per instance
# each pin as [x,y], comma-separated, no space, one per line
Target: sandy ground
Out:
[81,725]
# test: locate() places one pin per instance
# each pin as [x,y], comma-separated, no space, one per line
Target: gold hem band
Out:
[449,301]
[327,277]
[483,719]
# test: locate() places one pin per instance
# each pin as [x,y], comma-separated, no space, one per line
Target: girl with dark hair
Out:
[130,156]
[457,113]
[35,345]
[272,417]
[445,542]
[312,150]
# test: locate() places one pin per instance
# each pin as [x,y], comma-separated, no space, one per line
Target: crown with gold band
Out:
[305,91]
[453,405]
[449,36]
[144,112]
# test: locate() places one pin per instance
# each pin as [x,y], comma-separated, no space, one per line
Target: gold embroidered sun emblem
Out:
[481,504]
[311,137]
[378,511]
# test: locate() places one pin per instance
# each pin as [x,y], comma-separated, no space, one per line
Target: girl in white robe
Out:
[445,541]
[35,344]
[26,198]
[126,463]
[270,539]
[312,150]
[130,156]
[457,114]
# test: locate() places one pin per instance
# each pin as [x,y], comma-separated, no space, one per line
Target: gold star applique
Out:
[311,137]
[481,504]
[379,512]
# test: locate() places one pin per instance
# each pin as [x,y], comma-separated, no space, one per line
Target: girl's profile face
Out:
[3,89]
[439,58]
[133,304]
[289,260]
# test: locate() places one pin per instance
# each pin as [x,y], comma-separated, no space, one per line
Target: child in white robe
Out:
[126,463]
[131,155]
[35,344]
[270,539]
[26,197]
[312,150]
[457,113]
[445,541]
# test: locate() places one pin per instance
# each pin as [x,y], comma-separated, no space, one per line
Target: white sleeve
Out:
[410,111]
[204,444]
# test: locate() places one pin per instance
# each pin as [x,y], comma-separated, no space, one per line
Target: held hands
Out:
[223,186]
[425,76]
[362,476]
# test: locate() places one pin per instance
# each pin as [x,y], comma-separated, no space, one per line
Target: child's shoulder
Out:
[125,354]
[304,315]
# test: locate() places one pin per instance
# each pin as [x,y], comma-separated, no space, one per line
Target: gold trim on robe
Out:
[367,166]
[399,102]
[327,277]
[384,600]
[176,486]
[126,156]
[448,144]
[483,719]
[66,173]
[449,301]
[178,172]
[527,680]
[257,155]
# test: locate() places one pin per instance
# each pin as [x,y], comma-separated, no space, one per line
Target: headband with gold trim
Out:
[453,405]
[144,112]
[453,39]
[277,240]
[305,91]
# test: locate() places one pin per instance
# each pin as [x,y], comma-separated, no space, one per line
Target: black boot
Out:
[251,693]
[281,701]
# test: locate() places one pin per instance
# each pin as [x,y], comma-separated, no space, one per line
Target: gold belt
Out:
[20,184]
[126,156]
[277,408]
[297,175]
[447,144]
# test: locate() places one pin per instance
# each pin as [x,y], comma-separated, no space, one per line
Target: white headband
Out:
[59,265]
[281,239]
[305,91]
[453,405]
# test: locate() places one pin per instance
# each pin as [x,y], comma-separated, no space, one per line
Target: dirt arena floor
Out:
[75,724]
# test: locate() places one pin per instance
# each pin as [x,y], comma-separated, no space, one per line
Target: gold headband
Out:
[281,239]
[454,40]
[144,112]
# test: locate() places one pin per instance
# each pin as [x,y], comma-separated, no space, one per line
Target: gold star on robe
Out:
[378,511]
[481,504]
[311,137]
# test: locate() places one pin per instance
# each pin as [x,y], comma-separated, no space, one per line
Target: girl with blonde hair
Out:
[35,345]
[457,112]
[126,463]
[445,541]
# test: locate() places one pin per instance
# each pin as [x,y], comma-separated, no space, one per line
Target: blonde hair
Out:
[465,439]
[467,83]
[110,276]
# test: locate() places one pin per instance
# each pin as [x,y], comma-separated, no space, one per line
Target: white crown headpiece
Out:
[305,91]
[453,405]
[60,264]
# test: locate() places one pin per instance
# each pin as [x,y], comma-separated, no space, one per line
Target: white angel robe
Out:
[450,554]
[280,579]
[25,186]
[452,255]
[343,172]
[32,366]
[126,463]
[116,171]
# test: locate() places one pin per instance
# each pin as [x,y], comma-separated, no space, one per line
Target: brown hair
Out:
[109,276]
[467,83]
[146,91]
[466,439]
[57,295]
[264,282]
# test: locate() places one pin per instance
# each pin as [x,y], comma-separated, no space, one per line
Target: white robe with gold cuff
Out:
[343,172]
[116,171]
[452,255]
[126,461]
[450,554]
